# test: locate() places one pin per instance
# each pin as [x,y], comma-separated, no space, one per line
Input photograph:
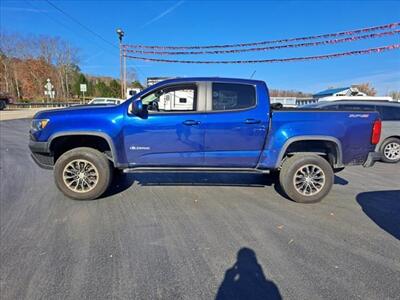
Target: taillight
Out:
[376,132]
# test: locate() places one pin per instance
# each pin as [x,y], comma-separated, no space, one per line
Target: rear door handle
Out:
[252,121]
[191,122]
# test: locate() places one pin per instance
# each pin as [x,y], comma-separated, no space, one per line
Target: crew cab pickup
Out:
[202,125]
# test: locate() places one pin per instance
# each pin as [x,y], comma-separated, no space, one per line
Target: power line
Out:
[87,29]
[63,25]
[81,24]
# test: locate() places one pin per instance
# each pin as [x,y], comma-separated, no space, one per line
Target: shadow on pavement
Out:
[123,181]
[383,207]
[340,181]
[246,280]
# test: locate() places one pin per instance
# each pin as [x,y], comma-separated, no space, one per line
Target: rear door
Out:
[236,125]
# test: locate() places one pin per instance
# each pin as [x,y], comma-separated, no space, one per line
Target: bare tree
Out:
[395,95]
[366,88]
[27,61]
[131,75]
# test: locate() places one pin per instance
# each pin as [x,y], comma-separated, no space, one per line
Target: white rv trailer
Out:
[177,100]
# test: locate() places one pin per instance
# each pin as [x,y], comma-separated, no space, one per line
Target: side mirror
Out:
[137,108]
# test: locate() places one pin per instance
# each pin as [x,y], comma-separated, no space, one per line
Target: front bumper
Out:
[41,154]
[371,159]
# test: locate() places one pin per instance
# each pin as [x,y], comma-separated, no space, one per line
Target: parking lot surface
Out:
[20,113]
[195,236]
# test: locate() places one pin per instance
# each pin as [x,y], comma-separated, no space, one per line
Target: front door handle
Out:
[252,121]
[191,122]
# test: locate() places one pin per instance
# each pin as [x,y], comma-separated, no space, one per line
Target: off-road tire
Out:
[95,158]
[292,165]
[384,145]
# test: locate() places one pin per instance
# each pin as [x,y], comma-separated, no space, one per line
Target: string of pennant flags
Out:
[321,36]
[338,37]
[309,44]
[273,60]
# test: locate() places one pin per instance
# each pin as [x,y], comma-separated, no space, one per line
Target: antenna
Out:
[253,74]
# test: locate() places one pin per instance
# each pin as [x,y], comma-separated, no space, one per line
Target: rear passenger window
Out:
[230,96]
[389,113]
[357,107]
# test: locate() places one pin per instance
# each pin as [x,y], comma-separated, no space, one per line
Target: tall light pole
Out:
[120,33]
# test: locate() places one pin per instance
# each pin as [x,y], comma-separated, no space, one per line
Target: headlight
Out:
[39,124]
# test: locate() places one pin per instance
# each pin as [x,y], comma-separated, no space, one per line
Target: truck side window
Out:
[172,99]
[389,113]
[231,96]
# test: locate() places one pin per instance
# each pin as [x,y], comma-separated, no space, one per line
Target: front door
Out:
[172,134]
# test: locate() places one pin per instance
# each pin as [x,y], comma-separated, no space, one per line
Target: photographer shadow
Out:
[382,207]
[246,280]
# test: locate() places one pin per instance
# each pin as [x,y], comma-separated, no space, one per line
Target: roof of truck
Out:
[215,79]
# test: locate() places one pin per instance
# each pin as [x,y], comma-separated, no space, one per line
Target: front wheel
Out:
[83,173]
[390,150]
[306,178]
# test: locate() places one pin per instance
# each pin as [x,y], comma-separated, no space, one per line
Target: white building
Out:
[154,80]
[339,92]
[347,93]
[132,92]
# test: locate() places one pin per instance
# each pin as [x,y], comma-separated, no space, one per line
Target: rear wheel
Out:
[390,150]
[83,173]
[306,178]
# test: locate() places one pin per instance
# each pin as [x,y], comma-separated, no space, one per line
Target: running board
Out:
[193,170]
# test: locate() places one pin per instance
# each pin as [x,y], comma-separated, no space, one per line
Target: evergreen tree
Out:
[115,89]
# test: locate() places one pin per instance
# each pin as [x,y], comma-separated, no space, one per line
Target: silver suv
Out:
[389,144]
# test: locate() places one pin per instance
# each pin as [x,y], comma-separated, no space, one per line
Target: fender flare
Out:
[291,140]
[89,133]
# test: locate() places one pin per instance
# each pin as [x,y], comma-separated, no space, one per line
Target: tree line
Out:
[26,62]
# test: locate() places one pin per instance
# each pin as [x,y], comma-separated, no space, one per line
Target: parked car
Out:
[5,99]
[389,144]
[106,101]
[230,127]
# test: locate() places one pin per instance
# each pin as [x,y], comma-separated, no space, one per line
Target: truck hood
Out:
[72,110]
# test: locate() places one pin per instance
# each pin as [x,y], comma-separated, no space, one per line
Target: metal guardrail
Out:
[41,104]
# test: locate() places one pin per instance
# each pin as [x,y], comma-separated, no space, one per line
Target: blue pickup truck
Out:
[202,125]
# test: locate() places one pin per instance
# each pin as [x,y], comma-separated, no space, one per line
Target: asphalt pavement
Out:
[195,236]
[21,113]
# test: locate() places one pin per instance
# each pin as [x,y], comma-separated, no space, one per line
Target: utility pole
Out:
[120,33]
[125,85]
